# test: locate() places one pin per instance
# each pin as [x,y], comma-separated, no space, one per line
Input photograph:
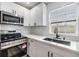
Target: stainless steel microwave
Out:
[8,18]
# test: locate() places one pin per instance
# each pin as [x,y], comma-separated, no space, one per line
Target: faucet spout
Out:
[56,32]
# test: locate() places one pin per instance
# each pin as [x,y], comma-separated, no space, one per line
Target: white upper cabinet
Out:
[26,17]
[19,10]
[34,17]
[38,15]
[12,8]
[6,6]
[33,14]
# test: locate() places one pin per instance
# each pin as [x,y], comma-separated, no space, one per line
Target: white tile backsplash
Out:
[22,29]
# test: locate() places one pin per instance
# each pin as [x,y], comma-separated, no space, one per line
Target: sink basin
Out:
[58,41]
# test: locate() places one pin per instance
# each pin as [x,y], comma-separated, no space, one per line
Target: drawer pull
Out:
[51,54]
[48,54]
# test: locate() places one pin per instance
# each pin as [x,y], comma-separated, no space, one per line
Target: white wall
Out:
[45,30]
[21,29]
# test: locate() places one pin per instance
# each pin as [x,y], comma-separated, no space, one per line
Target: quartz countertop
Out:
[74,46]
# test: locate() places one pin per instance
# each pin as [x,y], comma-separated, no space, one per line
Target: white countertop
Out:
[73,47]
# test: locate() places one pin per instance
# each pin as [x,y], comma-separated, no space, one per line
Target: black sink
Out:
[58,41]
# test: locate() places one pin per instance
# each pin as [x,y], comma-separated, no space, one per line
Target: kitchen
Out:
[39,29]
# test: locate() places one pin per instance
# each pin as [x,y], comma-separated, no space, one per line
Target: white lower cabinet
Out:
[36,50]
[32,48]
[40,49]
[63,52]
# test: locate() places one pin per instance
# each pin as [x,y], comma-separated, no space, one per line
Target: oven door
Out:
[16,51]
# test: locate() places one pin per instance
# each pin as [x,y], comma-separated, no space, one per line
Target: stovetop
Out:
[11,37]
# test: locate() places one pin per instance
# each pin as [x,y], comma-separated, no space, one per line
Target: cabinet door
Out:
[12,8]
[65,52]
[33,16]
[6,6]
[26,17]
[41,14]
[37,49]
[38,15]
[32,48]
[20,11]
[41,50]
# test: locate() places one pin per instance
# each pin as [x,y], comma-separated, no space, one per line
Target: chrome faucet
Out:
[56,32]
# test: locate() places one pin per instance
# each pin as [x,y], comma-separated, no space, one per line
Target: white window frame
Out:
[69,34]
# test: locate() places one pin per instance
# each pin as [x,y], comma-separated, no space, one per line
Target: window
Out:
[61,27]
[65,19]
[67,27]
[52,27]
[71,27]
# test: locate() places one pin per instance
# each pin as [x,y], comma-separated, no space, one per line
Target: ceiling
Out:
[28,5]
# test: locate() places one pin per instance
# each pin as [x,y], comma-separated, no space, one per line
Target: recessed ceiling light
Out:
[28,2]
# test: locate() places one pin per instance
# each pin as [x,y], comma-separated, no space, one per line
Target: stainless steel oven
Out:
[9,18]
[15,51]
[13,45]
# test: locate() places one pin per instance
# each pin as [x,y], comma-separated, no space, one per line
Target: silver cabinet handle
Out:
[51,54]
[48,54]
[34,23]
